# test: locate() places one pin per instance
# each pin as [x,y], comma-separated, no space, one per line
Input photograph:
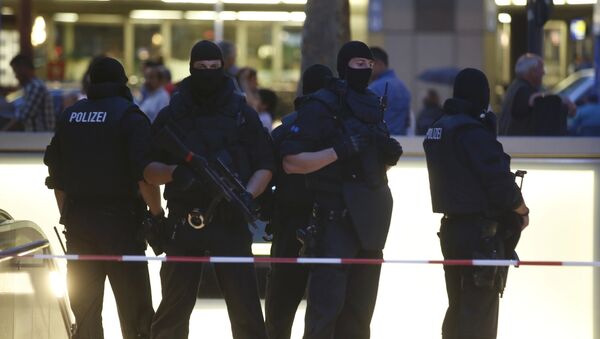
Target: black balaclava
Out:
[109,70]
[471,85]
[206,81]
[314,78]
[357,79]
[107,78]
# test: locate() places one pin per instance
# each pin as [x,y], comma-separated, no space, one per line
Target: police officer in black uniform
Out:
[212,120]
[96,161]
[471,183]
[292,205]
[341,142]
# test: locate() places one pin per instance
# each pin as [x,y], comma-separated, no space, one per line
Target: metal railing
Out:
[29,285]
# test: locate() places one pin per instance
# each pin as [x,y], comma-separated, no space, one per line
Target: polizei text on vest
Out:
[87,117]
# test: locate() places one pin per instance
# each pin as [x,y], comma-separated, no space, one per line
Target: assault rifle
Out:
[216,173]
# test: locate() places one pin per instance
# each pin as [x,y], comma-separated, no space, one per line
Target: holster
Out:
[308,235]
[155,232]
[492,247]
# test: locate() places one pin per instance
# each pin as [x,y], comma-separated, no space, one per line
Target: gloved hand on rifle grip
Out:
[183,178]
[390,149]
[348,145]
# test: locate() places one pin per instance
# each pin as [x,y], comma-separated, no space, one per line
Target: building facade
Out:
[419,35]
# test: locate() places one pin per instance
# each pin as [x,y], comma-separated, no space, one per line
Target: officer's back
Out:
[95,160]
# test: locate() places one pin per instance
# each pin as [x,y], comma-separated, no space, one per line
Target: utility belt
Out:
[123,206]
[322,213]
[489,227]
[308,235]
[465,216]
[199,217]
[125,201]
[194,217]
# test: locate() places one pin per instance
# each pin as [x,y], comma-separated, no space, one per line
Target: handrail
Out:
[28,248]
[63,304]
[24,249]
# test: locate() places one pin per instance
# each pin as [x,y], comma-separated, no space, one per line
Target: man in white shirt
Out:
[154,97]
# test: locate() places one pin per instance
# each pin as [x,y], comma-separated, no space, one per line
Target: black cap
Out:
[106,69]
[472,86]
[315,77]
[352,49]
[205,50]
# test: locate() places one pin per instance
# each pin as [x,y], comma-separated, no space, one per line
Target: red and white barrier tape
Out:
[334,261]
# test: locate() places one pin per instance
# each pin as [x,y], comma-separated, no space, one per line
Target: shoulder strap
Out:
[329,99]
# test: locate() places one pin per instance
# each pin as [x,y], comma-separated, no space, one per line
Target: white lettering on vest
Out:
[89,117]
[434,134]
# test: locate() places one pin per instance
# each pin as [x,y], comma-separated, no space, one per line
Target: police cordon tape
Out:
[328,261]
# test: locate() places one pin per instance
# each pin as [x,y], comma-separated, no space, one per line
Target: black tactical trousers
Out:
[287,282]
[341,298]
[107,232]
[473,310]
[237,281]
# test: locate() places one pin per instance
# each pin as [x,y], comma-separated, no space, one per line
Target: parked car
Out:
[577,86]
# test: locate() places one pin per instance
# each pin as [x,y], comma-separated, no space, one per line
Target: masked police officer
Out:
[471,183]
[340,141]
[292,207]
[96,160]
[212,120]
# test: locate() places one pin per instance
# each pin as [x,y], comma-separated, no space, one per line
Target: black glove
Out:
[249,201]
[390,149]
[349,145]
[155,231]
[183,178]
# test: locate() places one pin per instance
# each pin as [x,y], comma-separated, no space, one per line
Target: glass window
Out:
[183,37]
[78,43]
[147,43]
[260,49]
[186,34]
[93,40]
[292,54]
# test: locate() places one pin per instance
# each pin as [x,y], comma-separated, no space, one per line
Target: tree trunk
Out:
[326,29]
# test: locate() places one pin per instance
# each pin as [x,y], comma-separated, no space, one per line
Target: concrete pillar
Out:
[241,43]
[277,67]
[25,23]
[128,46]
[166,46]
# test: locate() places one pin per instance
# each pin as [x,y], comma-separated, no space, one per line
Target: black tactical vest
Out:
[220,132]
[354,113]
[361,180]
[454,187]
[93,150]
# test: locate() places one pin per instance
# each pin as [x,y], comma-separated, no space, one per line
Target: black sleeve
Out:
[521,108]
[136,131]
[260,146]
[309,130]
[52,160]
[159,123]
[491,165]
